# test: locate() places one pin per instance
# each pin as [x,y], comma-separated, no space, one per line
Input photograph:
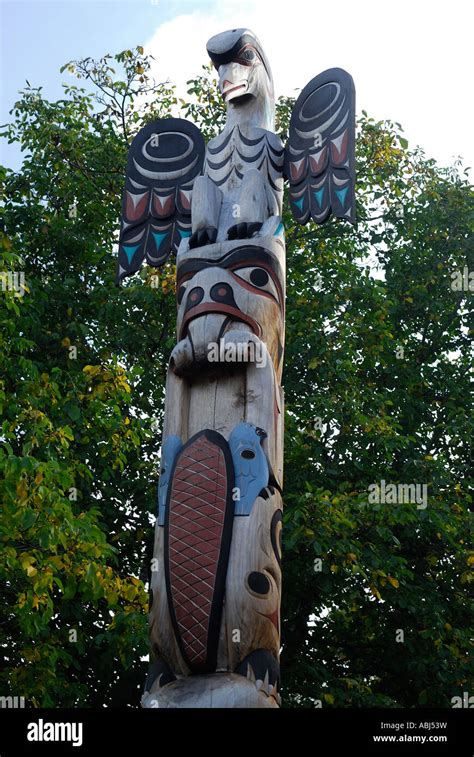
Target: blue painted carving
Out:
[250,465]
[171,447]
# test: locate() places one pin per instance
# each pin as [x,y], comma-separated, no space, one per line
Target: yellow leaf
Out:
[470,560]
[375,591]
[328,698]
[26,560]
[91,370]
[21,489]
[393,581]
[31,571]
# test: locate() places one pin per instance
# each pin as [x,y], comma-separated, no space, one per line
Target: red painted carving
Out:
[134,211]
[196,519]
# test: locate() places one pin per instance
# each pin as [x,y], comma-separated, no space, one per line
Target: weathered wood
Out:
[202,394]
[231,290]
[210,691]
[216,570]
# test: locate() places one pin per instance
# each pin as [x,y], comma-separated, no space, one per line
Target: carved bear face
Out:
[243,285]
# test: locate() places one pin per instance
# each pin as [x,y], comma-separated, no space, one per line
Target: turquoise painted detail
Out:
[341,193]
[159,238]
[184,233]
[130,252]
[299,203]
[279,230]
[319,196]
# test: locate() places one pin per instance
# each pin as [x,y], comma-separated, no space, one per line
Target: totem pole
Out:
[216,586]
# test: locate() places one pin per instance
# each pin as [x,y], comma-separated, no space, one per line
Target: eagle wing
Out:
[163,161]
[319,156]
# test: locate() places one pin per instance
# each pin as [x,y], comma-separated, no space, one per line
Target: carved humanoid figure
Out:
[216,582]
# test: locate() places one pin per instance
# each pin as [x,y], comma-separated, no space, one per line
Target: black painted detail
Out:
[244,230]
[194,297]
[163,161]
[221,53]
[258,582]
[247,454]
[201,237]
[180,295]
[275,535]
[157,668]
[259,277]
[245,254]
[320,154]
[261,661]
[280,351]
[222,292]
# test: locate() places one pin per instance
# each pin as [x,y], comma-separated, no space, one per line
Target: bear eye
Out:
[257,279]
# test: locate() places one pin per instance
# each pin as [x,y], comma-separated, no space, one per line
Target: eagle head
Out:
[244,72]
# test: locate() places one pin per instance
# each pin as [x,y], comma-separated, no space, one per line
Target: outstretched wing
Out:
[319,156]
[163,161]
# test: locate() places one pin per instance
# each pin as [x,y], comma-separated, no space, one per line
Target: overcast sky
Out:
[411,59]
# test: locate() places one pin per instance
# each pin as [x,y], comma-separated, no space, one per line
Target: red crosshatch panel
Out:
[196,521]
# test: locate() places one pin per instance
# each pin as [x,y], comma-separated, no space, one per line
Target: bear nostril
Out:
[222,292]
[194,297]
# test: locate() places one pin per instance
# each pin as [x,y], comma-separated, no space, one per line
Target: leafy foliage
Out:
[376,384]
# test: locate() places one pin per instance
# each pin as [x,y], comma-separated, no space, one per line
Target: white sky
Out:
[411,60]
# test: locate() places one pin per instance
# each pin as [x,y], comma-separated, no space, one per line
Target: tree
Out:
[376,382]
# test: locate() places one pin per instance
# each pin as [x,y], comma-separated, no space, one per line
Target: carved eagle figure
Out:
[176,187]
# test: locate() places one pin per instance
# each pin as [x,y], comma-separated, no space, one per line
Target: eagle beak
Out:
[231,89]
